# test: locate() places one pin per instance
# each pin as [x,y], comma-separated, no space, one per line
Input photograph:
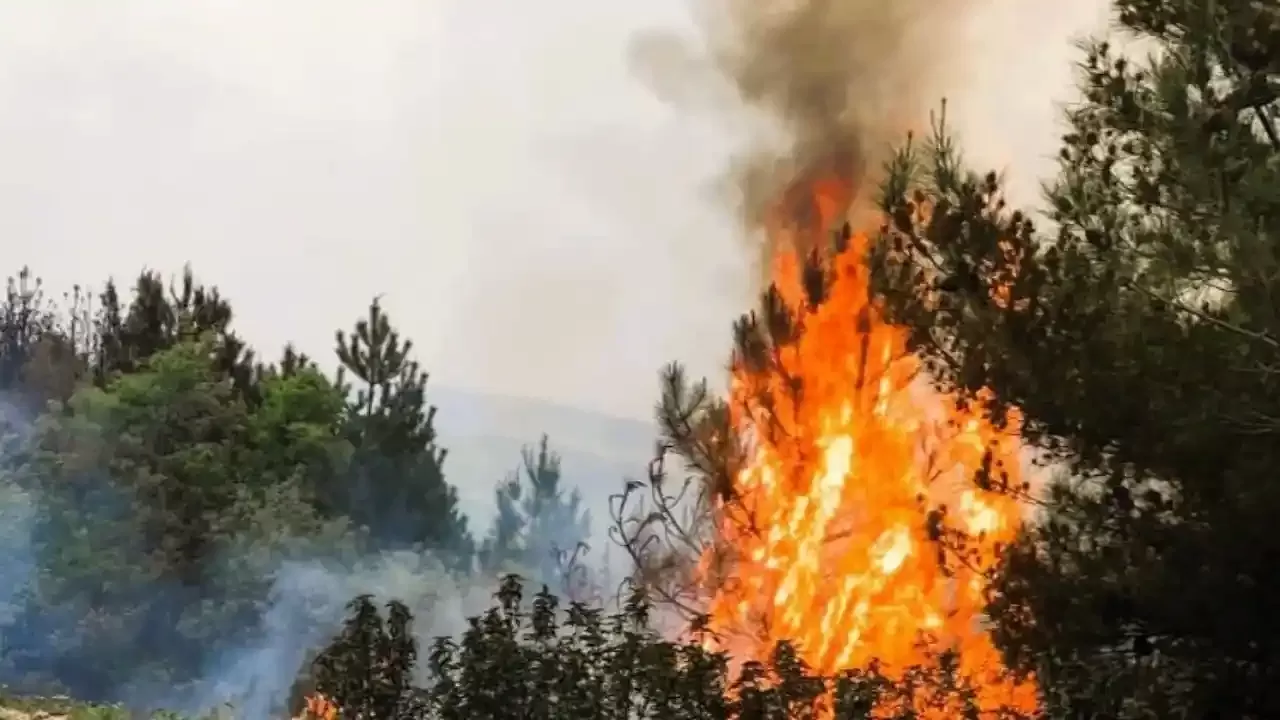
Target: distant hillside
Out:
[484,435]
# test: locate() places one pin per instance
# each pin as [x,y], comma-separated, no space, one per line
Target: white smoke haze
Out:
[530,213]
[17,513]
[307,606]
[304,609]
[1018,76]
[17,519]
[312,580]
[540,222]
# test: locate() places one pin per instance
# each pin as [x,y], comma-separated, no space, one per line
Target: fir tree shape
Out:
[397,490]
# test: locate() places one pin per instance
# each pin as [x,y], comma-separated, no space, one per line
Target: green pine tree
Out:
[397,490]
[1139,335]
[503,547]
[538,526]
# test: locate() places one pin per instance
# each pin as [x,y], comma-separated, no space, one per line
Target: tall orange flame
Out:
[830,530]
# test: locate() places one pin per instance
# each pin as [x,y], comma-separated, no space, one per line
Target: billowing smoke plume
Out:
[830,86]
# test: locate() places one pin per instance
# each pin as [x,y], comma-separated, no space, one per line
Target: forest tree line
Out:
[154,471]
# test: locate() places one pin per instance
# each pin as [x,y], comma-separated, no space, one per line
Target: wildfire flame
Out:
[319,707]
[833,528]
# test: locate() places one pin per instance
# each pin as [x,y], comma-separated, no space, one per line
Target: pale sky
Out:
[537,220]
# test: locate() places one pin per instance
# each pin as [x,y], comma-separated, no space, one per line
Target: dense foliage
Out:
[1139,338]
[531,658]
[154,475]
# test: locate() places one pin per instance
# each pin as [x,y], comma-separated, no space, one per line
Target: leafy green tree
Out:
[144,488]
[396,489]
[173,472]
[1139,338]
[537,525]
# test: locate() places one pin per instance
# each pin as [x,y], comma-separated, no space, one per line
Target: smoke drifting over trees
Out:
[183,522]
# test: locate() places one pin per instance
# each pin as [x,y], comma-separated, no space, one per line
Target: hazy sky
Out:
[537,220]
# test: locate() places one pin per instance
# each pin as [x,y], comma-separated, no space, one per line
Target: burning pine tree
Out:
[846,506]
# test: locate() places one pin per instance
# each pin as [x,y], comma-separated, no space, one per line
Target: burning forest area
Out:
[850,510]
[857,526]
[844,507]
[965,454]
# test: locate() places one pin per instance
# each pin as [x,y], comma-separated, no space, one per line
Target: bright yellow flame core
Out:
[829,534]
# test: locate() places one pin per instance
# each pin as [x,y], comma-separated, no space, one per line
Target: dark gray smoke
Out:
[824,86]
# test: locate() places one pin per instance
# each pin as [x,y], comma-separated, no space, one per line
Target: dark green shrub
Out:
[536,661]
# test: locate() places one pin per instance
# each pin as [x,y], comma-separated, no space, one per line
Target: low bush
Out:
[537,661]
